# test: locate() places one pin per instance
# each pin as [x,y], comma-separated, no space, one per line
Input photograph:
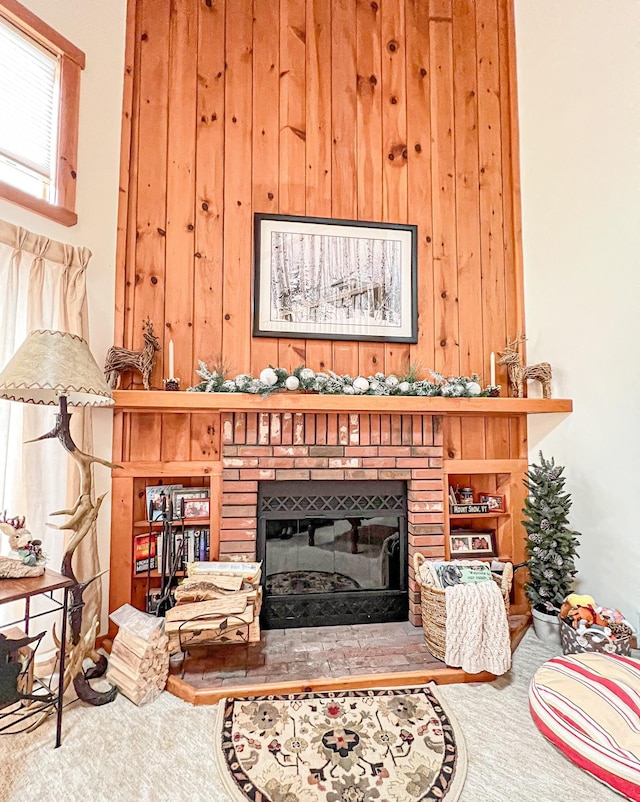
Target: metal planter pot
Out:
[546,627]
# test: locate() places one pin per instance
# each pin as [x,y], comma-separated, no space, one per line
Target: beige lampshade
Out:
[49,364]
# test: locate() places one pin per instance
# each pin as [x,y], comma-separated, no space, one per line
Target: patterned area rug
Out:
[393,745]
[288,582]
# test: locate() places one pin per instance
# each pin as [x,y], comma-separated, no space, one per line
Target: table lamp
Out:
[57,368]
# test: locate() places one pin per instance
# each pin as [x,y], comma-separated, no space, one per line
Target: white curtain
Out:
[43,286]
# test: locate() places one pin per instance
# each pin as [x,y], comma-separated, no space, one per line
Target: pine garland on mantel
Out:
[273,380]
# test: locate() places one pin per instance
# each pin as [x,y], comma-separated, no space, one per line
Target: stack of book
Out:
[217,603]
[188,545]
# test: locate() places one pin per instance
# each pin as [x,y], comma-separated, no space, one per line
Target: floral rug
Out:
[288,582]
[392,745]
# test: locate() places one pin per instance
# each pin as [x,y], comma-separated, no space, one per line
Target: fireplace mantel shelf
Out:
[163,401]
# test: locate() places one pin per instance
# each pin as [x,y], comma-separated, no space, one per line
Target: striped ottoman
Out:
[588,705]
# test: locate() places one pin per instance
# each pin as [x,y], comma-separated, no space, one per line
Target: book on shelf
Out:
[145,553]
[197,543]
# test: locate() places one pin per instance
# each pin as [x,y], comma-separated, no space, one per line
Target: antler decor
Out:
[518,373]
[83,515]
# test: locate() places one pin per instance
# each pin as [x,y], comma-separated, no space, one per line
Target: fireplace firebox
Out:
[332,552]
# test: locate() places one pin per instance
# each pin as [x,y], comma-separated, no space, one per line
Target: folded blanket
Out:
[477,629]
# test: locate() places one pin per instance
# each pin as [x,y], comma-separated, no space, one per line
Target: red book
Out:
[144,553]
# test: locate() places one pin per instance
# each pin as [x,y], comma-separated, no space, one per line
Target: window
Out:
[39,105]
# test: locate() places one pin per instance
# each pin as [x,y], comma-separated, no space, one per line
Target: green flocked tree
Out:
[551,545]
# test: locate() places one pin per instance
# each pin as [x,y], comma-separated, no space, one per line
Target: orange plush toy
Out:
[578,609]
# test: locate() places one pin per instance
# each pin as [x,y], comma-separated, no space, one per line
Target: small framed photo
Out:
[493,502]
[158,499]
[465,543]
[196,508]
[187,493]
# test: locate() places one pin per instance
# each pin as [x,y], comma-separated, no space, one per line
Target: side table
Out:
[16,590]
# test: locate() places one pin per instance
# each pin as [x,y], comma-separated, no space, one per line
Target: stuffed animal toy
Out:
[581,612]
[26,557]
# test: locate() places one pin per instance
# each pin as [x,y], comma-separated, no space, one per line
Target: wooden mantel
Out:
[161,401]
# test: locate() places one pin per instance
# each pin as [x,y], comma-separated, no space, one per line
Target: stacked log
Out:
[139,666]
[217,603]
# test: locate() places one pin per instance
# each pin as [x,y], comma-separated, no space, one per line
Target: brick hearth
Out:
[270,446]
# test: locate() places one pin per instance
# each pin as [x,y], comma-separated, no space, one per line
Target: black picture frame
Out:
[382,305]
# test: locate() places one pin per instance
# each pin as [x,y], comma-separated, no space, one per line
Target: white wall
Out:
[578,80]
[98,28]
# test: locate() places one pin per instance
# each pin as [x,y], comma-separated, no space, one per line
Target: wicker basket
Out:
[434,607]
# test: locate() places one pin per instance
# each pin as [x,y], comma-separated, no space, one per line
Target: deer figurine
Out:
[120,359]
[518,373]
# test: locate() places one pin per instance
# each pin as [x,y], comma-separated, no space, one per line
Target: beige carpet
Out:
[164,752]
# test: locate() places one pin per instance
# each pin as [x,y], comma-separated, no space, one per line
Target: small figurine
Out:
[518,373]
[120,359]
[26,557]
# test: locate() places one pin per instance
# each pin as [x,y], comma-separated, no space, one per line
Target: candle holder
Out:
[171,384]
[493,390]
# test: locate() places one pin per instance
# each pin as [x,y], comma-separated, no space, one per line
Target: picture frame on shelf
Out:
[466,543]
[186,493]
[495,502]
[154,495]
[324,278]
[196,508]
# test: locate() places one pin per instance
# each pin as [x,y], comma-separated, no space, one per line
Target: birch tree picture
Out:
[313,280]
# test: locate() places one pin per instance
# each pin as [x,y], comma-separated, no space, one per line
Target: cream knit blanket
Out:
[477,629]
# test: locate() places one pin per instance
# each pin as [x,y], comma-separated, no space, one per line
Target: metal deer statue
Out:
[518,373]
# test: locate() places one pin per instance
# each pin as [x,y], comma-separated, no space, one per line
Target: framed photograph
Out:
[464,543]
[196,508]
[320,278]
[186,493]
[158,499]
[493,502]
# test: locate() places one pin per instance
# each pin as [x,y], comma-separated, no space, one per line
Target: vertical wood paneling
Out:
[318,138]
[491,210]
[236,305]
[291,353]
[266,139]
[209,199]
[394,136]
[472,432]
[183,52]
[152,175]
[443,188]
[295,106]
[369,141]
[128,172]
[344,196]
[419,178]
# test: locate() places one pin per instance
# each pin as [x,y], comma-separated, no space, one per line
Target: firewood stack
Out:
[217,603]
[139,661]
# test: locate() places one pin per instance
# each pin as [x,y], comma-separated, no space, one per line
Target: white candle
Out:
[492,362]
[171,371]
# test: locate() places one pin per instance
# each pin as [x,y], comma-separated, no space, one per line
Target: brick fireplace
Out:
[335,447]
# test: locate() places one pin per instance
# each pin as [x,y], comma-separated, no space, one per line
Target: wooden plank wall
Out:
[396,110]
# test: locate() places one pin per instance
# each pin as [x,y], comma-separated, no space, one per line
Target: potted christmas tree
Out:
[551,546]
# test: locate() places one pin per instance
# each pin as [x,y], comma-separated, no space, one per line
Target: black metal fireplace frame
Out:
[327,500]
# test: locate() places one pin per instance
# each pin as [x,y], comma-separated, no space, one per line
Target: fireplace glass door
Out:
[333,553]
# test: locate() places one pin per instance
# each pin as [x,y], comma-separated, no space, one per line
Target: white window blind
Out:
[29,85]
